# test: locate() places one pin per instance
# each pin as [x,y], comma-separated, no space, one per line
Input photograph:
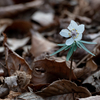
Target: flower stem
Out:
[70,76]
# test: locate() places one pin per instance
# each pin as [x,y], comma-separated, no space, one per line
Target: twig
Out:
[82,60]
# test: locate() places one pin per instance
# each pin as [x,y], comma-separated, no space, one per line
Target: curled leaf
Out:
[63,89]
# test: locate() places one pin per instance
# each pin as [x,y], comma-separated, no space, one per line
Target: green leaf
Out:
[75,47]
[81,44]
[59,50]
[61,44]
[68,47]
[78,45]
[88,42]
[70,52]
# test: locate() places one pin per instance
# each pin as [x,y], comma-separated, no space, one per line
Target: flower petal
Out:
[79,37]
[64,33]
[80,28]
[69,41]
[72,25]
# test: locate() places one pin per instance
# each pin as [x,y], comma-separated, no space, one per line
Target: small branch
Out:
[82,60]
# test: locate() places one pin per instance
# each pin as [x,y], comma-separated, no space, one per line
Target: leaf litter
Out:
[32,27]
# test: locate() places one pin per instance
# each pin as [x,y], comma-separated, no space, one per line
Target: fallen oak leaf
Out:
[40,44]
[14,61]
[47,70]
[64,88]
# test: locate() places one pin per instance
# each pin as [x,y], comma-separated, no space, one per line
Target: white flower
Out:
[74,31]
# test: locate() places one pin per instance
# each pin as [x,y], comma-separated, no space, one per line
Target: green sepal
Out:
[81,44]
[70,52]
[59,50]
[88,42]
[61,44]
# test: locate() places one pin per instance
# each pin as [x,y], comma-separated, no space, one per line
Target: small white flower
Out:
[74,31]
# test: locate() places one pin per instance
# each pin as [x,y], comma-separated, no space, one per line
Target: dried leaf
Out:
[29,96]
[84,72]
[42,18]
[23,79]
[15,9]
[49,70]
[11,82]
[4,91]
[90,98]
[65,88]
[38,87]
[18,81]
[17,43]
[3,71]
[18,29]
[94,80]
[40,44]
[13,94]
[92,65]
[14,62]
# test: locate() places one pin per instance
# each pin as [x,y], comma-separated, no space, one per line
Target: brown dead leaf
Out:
[90,98]
[18,81]
[93,80]
[13,94]
[82,8]
[11,82]
[92,65]
[11,10]
[29,96]
[23,79]
[18,29]
[84,72]
[48,70]
[4,23]
[43,18]
[14,62]
[4,91]
[40,44]
[38,87]
[3,71]
[66,89]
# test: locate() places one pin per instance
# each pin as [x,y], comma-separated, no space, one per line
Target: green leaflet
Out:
[88,42]
[81,44]
[78,45]
[75,47]
[59,50]
[68,47]
[61,44]
[70,52]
